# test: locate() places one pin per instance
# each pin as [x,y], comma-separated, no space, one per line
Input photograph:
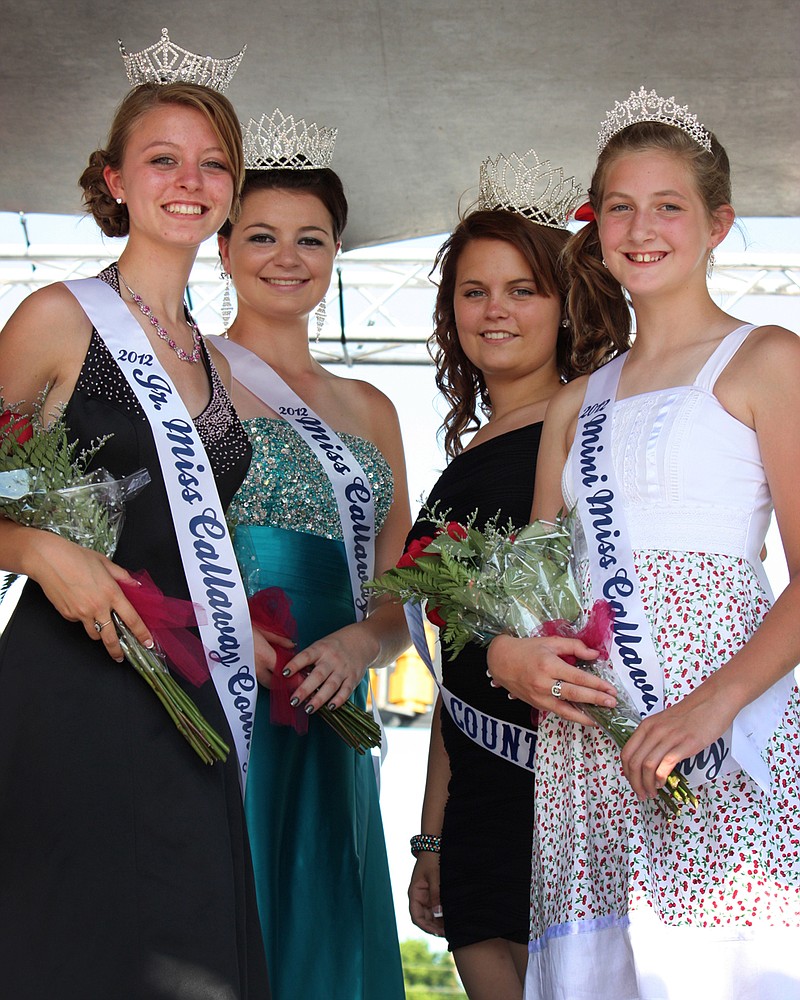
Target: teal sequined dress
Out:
[316,836]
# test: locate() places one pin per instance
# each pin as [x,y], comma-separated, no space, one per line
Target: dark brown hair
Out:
[320,181]
[459,381]
[113,218]
[596,303]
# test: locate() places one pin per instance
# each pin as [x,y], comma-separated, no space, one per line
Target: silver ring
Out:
[555,690]
[99,628]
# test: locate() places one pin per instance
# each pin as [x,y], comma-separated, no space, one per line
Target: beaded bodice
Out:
[286,488]
[218,425]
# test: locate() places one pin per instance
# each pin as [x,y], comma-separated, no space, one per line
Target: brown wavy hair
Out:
[113,218]
[596,303]
[458,380]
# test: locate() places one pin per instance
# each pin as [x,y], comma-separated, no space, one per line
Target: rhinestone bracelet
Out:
[424,842]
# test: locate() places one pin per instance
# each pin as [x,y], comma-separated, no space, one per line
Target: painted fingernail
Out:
[309,709]
[331,705]
[286,671]
[294,702]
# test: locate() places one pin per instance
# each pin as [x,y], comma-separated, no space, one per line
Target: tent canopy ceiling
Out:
[420,92]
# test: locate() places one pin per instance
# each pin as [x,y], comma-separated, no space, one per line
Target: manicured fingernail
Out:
[286,671]
[610,702]
[149,644]
[294,702]
[309,709]
[331,705]
[120,659]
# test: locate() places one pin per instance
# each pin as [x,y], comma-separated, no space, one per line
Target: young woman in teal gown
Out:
[317,839]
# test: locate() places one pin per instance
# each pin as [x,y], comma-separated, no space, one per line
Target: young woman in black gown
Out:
[124,862]
[501,346]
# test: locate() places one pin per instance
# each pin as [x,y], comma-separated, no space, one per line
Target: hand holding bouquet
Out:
[270,611]
[44,484]
[481,584]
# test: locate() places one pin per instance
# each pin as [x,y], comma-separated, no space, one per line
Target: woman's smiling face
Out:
[504,323]
[654,228]
[280,253]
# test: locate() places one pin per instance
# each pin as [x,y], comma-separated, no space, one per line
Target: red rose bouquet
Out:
[520,582]
[44,483]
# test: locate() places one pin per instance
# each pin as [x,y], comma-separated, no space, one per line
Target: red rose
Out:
[414,551]
[435,618]
[15,426]
[456,531]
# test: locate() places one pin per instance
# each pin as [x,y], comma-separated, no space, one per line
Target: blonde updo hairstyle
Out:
[596,303]
[113,218]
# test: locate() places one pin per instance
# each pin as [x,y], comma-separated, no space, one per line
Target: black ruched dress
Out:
[485,864]
[125,868]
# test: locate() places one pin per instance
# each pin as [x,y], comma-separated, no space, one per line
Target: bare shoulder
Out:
[43,343]
[770,346]
[365,400]
[563,408]
[51,309]
[569,397]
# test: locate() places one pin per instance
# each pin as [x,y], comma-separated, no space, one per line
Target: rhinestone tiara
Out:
[647,106]
[280,141]
[166,62]
[530,187]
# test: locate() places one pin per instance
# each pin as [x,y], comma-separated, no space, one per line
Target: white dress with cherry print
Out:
[625,905]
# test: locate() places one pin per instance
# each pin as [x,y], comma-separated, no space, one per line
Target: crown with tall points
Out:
[166,62]
[280,141]
[647,106]
[530,187]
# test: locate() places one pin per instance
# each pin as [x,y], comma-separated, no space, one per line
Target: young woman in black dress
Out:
[500,346]
[124,863]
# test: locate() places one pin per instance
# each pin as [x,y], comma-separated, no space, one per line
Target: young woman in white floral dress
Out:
[702,418]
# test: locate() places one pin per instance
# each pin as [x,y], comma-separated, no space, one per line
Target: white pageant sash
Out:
[611,565]
[205,546]
[351,487]
[614,579]
[504,739]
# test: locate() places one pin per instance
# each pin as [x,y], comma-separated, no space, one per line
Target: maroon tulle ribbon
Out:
[271,611]
[596,632]
[169,620]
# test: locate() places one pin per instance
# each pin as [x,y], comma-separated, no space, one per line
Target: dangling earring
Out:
[712,260]
[320,316]
[226,308]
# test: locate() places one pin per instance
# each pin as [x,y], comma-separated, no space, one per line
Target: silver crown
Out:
[278,141]
[530,187]
[166,62]
[647,106]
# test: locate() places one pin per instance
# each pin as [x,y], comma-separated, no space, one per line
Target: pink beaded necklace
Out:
[145,309]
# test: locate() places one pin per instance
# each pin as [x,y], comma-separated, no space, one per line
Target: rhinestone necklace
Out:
[145,309]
